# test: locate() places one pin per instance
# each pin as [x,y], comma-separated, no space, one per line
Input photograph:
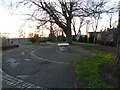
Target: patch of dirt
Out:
[108,75]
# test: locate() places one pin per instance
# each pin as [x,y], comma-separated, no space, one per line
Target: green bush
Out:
[81,43]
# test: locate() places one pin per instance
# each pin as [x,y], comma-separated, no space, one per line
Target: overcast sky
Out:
[11,23]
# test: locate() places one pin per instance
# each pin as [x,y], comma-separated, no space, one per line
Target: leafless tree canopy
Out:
[62,11]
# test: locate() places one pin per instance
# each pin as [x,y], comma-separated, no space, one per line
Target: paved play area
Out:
[41,66]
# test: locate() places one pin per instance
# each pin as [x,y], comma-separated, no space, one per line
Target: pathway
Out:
[42,66]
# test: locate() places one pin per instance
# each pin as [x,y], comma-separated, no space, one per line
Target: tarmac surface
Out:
[43,66]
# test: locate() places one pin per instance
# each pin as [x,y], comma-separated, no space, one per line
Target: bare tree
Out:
[62,11]
[95,18]
[110,18]
[81,22]
[87,28]
[30,35]
[74,24]
[21,32]
[82,19]
[5,35]
[57,31]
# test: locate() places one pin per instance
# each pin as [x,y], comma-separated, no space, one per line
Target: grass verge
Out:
[59,42]
[88,70]
[41,44]
[81,43]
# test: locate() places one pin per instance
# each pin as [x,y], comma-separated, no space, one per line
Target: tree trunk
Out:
[69,30]
[94,40]
[69,36]
[74,30]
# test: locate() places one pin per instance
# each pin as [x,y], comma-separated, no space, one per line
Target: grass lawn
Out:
[59,42]
[81,43]
[88,70]
[41,44]
[78,43]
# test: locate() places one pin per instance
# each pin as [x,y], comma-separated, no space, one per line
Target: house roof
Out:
[93,33]
[114,30]
[103,33]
